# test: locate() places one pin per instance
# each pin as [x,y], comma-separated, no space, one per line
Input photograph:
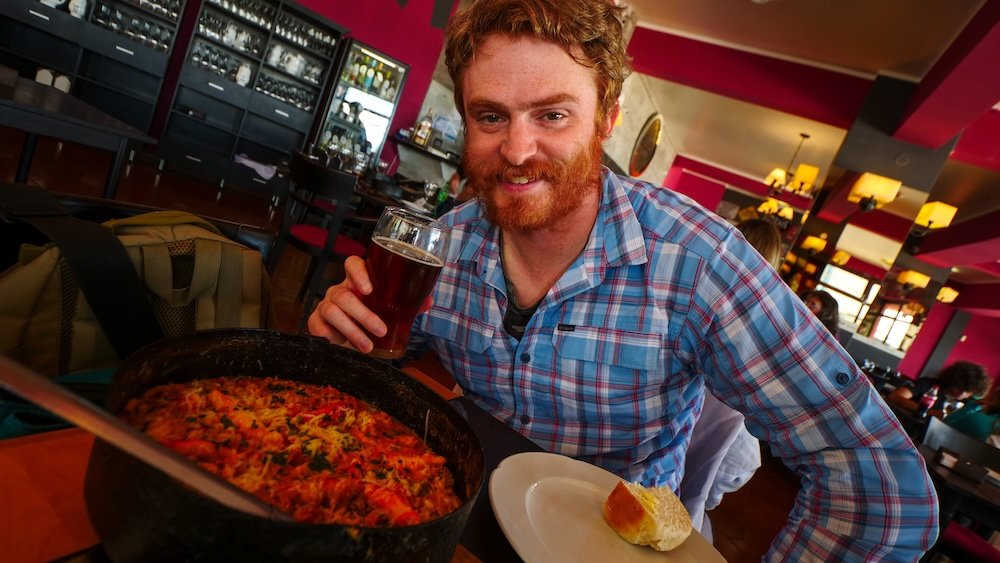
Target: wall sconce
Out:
[840,257]
[801,182]
[812,244]
[872,191]
[912,279]
[946,294]
[933,215]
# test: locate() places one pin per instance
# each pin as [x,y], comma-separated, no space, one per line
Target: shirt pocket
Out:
[624,348]
[607,374]
[461,334]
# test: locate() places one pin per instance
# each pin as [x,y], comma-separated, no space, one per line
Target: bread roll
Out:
[647,516]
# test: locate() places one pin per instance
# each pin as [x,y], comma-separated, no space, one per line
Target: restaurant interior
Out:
[868,132]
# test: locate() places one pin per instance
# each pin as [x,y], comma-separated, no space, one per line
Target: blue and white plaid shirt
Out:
[666,300]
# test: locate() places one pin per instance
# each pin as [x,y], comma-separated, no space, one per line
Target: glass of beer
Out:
[404,259]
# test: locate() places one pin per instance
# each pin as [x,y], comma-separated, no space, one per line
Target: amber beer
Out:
[402,277]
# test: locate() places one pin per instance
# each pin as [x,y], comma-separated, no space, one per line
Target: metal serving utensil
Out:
[40,390]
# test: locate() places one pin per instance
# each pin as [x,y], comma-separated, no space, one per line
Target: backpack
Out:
[189,274]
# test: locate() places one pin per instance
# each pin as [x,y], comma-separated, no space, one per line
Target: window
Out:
[893,326]
[854,294]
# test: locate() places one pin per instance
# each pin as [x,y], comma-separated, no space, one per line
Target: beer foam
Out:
[407,250]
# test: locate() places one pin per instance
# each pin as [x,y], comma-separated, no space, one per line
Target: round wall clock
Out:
[645,145]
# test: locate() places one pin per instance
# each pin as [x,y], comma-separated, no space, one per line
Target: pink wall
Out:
[981,337]
[402,32]
[706,192]
[927,339]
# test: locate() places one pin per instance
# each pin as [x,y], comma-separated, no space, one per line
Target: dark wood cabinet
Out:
[253,76]
[114,55]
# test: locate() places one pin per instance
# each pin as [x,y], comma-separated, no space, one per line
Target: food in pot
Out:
[320,455]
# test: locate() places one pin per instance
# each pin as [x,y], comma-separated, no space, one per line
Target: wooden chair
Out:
[318,203]
[939,434]
[955,539]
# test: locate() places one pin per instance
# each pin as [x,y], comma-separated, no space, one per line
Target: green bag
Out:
[193,277]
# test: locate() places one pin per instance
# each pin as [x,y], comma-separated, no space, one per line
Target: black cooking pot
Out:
[141,514]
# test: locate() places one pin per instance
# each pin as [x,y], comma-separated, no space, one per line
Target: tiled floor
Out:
[744,524]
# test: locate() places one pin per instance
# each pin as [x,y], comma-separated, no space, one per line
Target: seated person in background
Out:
[979,418]
[957,382]
[825,307]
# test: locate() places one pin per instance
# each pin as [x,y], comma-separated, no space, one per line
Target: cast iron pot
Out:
[141,514]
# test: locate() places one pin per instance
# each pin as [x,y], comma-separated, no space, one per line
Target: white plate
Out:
[414,207]
[549,507]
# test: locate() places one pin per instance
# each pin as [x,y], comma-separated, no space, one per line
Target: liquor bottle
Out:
[927,401]
[422,132]
[379,79]
[355,67]
[370,75]
[440,198]
[386,84]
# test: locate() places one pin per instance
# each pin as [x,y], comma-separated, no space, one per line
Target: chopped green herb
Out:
[226,423]
[280,458]
[319,462]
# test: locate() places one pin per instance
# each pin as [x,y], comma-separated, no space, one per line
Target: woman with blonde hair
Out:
[765,237]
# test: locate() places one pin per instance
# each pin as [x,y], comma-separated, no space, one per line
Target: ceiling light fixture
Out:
[801,182]
[947,294]
[933,215]
[912,279]
[872,191]
[813,244]
[840,257]
[778,212]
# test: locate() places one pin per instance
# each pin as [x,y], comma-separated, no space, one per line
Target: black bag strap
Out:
[99,261]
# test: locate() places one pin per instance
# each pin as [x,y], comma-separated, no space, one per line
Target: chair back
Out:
[714,433]
[940,434]
[311,185]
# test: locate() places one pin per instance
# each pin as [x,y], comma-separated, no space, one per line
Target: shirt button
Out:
[525,419]
[525,357]
[843,378]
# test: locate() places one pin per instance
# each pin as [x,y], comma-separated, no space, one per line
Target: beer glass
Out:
[404,259]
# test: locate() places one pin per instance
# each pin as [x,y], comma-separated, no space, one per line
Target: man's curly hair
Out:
[591,31]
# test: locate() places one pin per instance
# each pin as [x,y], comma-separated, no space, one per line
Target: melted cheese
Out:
[321,455]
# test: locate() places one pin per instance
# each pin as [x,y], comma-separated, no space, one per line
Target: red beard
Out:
[569,182]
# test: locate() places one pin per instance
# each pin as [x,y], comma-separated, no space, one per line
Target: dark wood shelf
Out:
[440,155]
[262,123]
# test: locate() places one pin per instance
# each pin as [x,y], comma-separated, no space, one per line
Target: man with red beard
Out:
[590,312]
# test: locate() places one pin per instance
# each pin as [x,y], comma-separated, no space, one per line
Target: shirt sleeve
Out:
[866,494]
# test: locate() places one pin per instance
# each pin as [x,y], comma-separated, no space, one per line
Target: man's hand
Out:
[342,318]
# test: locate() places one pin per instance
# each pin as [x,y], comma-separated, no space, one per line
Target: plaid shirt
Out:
[666,300]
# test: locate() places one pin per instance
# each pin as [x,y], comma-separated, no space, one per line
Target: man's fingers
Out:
[357,275]
[349,304]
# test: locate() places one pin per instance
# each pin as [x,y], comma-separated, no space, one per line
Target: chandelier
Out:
[801,182]
[778,212]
